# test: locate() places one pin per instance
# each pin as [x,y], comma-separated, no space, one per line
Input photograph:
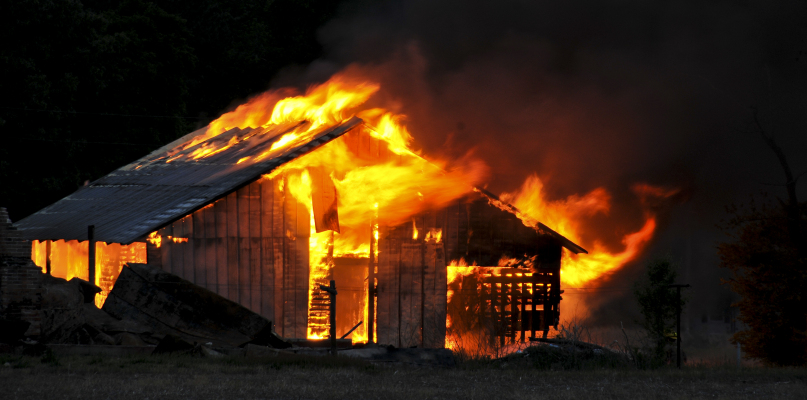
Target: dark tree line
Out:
[767,256]
[89,85]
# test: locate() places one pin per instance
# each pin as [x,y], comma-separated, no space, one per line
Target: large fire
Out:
[402,186]
[389,186]
[403,182]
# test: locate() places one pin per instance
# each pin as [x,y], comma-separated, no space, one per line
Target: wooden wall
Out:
[412,272]
[412,283]
[250,247]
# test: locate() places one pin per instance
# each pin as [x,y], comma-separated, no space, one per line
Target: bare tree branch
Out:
[791,207]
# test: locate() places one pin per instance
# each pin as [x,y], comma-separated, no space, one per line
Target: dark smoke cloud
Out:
[597,93]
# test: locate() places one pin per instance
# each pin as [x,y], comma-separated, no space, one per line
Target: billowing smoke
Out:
[594,94]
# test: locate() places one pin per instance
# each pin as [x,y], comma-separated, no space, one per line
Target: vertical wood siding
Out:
[251,247]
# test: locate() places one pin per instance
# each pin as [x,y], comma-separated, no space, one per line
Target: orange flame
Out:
[321,105]
[401,186]
[155,239]
[406,183]
[408,186]
[457,269]
[567,217]
[434,236]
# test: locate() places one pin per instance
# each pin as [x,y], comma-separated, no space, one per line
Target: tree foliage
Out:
[658,304]
[769,275]
[89,85]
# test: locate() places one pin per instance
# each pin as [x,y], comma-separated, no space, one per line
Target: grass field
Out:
[296,377]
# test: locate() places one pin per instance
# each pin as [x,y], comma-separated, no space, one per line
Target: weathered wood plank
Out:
[211,257]
[278,253]
[256,258]
[290,260]
[232,248]
[243,248]
[289,306]
[301,287]
[165,250]
[405,295]
[197,240]
[176,252]
[188,265]
[222,279]
[267,289]
[153,255]
[411,293]
[440,299]
[297,221]
[395,278]
[255,246]
[278,260]
[278,208]
[429,295]
[451,232]
[383,287]
[462,227]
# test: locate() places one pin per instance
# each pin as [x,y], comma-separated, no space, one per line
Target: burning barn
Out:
[281,196]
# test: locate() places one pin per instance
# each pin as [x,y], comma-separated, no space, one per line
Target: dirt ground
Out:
[170,377]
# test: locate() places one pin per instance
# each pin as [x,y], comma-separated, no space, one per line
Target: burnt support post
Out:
[678,322]
[91,254]
[332,312]
[371,287]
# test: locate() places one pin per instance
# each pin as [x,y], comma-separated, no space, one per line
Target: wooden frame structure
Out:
[238,233]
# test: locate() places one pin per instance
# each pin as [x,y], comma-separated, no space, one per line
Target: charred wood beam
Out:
[332,291]
[371,290]
[351,330]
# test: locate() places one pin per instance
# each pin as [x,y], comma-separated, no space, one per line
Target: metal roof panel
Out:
[136,199]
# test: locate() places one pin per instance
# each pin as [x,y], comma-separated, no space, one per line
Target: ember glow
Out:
[157,240]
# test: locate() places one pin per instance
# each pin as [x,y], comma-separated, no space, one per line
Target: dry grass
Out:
[323,378]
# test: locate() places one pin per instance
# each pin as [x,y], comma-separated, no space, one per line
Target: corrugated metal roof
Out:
[166,185]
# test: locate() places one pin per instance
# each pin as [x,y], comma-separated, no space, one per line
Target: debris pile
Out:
[150,311]
[148,308]
[170,305]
